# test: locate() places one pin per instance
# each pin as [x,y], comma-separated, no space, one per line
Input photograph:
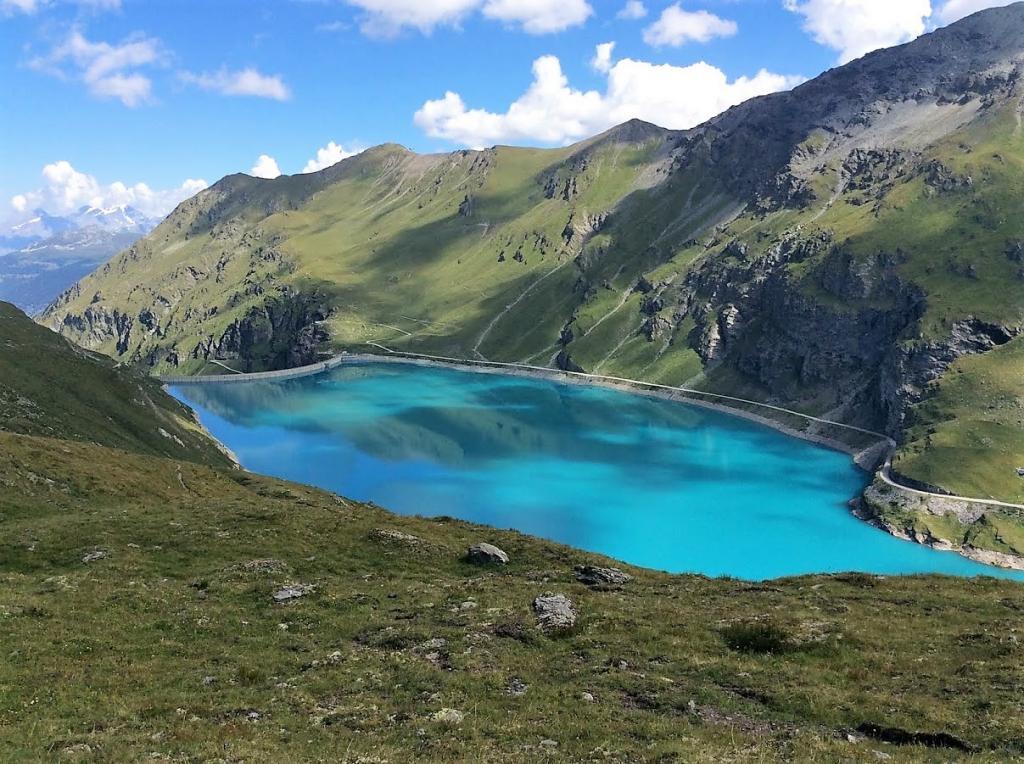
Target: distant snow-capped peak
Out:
[42,225]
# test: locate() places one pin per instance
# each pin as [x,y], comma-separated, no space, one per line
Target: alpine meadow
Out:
[481,452]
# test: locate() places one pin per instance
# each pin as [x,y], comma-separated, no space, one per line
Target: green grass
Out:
[50,387]
[170,646]
[974,416]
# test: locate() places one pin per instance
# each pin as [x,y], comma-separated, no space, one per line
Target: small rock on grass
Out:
[486,554]
[94,555]
[516,687]
[449,716]
[555,613]
[601,578]
[389,536]
[264,566]
[292,592]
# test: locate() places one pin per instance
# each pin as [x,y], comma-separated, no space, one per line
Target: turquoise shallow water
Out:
[649,481]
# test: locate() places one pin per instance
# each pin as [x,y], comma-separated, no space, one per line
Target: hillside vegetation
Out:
[177,609]
[52,388]
[835,249]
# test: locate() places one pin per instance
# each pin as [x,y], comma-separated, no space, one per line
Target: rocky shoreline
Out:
[903,513]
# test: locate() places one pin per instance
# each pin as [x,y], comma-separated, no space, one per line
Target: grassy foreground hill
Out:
[139,622]
[52,388]
[834,249]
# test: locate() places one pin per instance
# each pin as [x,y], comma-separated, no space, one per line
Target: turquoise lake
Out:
[648,481]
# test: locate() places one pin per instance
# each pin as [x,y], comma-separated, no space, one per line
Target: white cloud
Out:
[856,27]
[551,111]
[954,10]
[65,190]
[329,155]
[675,27]
[632,10]
[539,16]
[10,7]
[243,82]
[265,167]
[387,18]
[108,71]
[602,60]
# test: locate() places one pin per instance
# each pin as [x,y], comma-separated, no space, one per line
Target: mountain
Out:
[53,252]
[267,621]
[853,249]
[40,226]
[117,219]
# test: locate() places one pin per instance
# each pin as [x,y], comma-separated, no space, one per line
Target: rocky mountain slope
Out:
[160,605]
[837,249]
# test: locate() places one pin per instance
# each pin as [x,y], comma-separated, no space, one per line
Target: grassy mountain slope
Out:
[168,645]
[949,428]
[49,387]
[138,621]
[834,249]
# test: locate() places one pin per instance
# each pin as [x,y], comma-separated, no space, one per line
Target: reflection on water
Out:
[649,481]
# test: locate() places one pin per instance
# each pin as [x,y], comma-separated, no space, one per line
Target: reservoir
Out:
[652,482]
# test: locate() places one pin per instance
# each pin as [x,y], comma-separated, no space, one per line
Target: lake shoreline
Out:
[870,459]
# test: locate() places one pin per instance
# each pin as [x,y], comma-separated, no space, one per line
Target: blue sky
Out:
[100,96]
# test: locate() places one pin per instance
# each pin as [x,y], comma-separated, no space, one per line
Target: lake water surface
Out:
[652,482]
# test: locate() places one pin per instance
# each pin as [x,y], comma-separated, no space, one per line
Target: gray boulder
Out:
[601,578]
[292,592]
[389,536]
[555,613]
[486,554]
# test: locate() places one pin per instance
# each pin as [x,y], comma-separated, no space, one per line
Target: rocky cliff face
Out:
[911,367]
[282,333]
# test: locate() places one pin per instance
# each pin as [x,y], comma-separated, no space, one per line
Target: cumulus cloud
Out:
[954,10]
[265,167]
[108,71]
[856,27]
[387,18]
[539,16]
[243,82]
[65,190]
[552,111]
[676,26]
[602,60]
[328,155]
[632,10]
